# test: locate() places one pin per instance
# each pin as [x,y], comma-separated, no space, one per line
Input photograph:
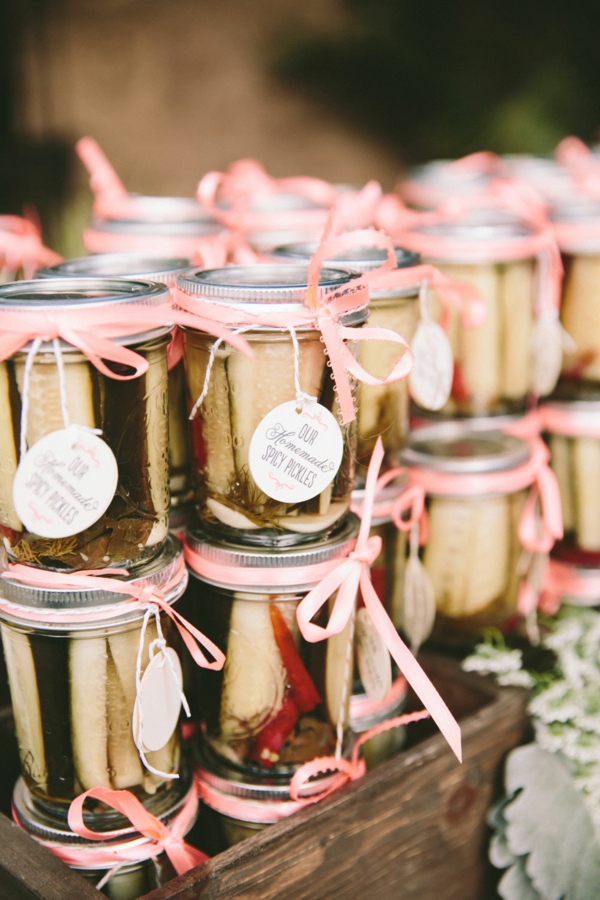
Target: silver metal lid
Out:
[481,226]
[158,571]
[157,228]
[79,293]
[442,173]
[389,493]
[131,266]
[42,825]
[227,553]
[364,713]
[217,774]
[498,421]
[278,202]
[357,259]
[162,210]
[266,240]
[261,288]
[460,452]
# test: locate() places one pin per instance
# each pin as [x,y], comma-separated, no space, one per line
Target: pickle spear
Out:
[157,438]
[254,678]
[9,443]
[586,464]
[88,671]
[45,413]
[25,702]
[580,313]
[467,555]
[123,756]
[179,441]
[516,305]
[339,672]
[561,462]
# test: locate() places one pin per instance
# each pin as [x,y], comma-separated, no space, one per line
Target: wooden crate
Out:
[413,827]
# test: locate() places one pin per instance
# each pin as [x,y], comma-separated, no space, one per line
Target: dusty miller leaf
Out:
[516,884]
[549,821]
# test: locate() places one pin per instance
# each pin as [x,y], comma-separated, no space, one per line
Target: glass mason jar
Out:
[242,391]
[235,807]
[571,423]
[157,236]
[441,180]
[366,714]
[387,572]
[577,230]
[493,362]
[473,550]
[382,411]
[279,700]
[132,879]
[165,271]
[72,679]
[132,416]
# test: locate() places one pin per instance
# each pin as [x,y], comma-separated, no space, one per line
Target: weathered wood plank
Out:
[414,827]
[29,871]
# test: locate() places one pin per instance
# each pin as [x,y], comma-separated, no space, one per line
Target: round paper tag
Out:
[155,720]
[294,455]
[64,483]
[433,367]
[373,657]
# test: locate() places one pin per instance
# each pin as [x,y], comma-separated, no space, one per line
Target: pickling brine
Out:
[279,701]
[237,393]
[73,688]
[130,415]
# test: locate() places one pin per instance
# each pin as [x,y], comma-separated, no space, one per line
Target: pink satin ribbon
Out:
[92,329]
[346,579]
[569,422]
[99,580]
[107,187]
[324,319]
[349,769]
[563,580]
[411,500]
[582,165]
[157,244]
[160,838]
[535,536]
[21,246]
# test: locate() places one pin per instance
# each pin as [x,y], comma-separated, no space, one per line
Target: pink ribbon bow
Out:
[142,595]
[163,838]
[346,579]
[21,247]
[92,329]
[108,189]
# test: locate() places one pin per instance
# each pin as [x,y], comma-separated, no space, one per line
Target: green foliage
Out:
[437,79]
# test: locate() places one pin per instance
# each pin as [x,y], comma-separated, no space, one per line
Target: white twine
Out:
[339,729]
[301,396]
[211,360]
[62,391]
[158,645]
[108,875]
[424,301]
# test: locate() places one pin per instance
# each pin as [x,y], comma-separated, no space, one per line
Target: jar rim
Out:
[129,266]
[458,451]
[357,259]
[53,294]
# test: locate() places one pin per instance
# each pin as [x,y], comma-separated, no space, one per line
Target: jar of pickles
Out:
[53,386]
[494,364]
[569,582]
[480,521]
[279,701]
[366,713]
[571,422]
[577,230]
[284,399]
[81,717]
[140,869]
[381,410]
[235,807]
[134,266]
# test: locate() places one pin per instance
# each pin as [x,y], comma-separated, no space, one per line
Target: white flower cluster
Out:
[566,713]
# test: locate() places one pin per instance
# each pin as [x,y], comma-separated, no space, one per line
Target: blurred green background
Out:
[342,89]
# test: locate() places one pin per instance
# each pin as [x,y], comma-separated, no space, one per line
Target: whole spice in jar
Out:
[122,865]
[134,266]
[278,702]
[570,420]
[77,653]
[273,440]
[107,376]
[482,516]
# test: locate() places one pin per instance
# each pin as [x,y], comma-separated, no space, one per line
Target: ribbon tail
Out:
[411,669]
[96,349]
[336,353]
[184,857]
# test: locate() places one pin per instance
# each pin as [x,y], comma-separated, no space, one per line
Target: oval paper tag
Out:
[155,720]
[373,657]
[430,378]
[547,355]
[294,455]
[64,483]
[418,610]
